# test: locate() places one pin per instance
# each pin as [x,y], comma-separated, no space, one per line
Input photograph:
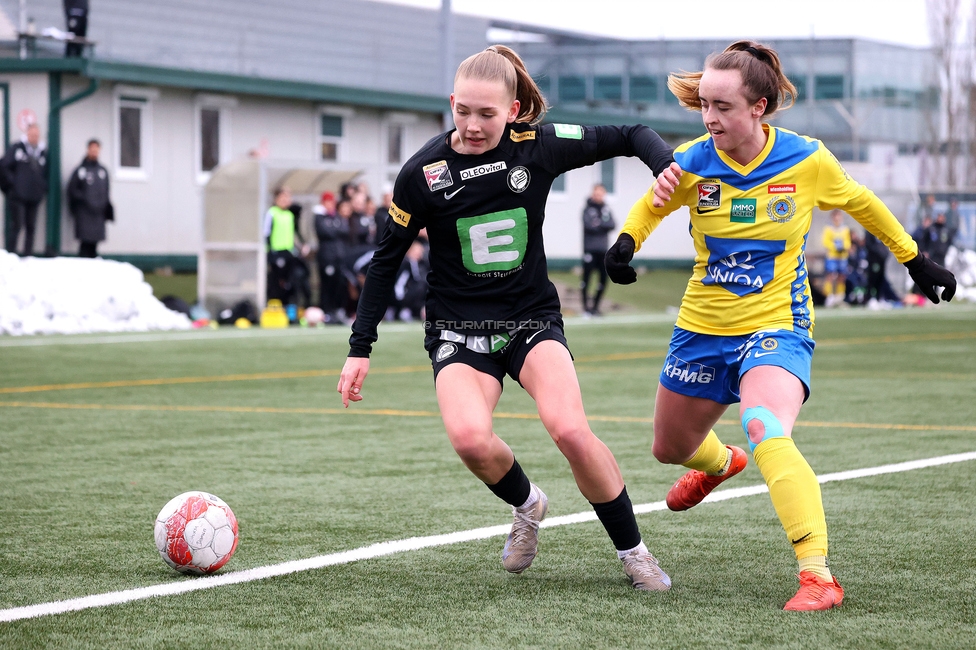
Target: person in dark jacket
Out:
[597,224]
[88,201]
[333,234]
[76,19]
[940,236]
[878,289]
[23,179]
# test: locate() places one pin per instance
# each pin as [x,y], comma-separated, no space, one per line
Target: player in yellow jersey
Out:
[744,330]
[837,245]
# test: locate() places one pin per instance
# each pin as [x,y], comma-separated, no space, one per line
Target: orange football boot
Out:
[815,594]
[690,489]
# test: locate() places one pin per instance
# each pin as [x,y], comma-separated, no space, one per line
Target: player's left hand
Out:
[667,182]
[351,379]
[617,260]
[928,275]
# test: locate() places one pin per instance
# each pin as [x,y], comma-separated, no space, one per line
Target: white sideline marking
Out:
[412,544]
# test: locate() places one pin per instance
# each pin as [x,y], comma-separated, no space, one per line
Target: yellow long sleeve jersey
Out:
[750,226]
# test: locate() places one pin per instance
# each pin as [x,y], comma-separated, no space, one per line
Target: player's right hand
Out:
[666,183]
[928,275]
[351,379]
[618,259]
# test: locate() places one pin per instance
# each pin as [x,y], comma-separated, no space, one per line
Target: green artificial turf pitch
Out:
[98,432]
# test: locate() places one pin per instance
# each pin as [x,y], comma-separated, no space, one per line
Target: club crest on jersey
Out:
[438,176]
[709,196]
[519,179]
[446,351]
[781,209]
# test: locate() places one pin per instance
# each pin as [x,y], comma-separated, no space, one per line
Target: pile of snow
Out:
[963,264]
[64,295]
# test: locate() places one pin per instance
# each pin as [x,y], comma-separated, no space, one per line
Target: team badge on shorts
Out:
[709,196]
[438,176]
[769,344]
[519,179]
[445,351]
[781,209]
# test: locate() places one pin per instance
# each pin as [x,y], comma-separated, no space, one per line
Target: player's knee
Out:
[572,439]
[471,443]
[760,424]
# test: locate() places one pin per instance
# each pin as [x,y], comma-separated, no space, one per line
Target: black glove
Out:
[928,275]
[618,259]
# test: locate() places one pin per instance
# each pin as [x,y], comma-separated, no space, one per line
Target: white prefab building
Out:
[173,90]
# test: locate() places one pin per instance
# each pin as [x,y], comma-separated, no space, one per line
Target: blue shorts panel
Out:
[835,266]
[708,366]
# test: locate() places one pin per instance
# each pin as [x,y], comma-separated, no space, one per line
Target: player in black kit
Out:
[480,191]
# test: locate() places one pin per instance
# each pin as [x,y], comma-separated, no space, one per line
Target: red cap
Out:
[328,196]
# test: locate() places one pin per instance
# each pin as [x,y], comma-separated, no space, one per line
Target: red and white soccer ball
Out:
[196,533]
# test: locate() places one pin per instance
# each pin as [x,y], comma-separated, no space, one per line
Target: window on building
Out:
[559,185]
[330,136]
[608,174]
[829,86]
[544,83]
[130,135]
[608,88]
[209,138]
[133,121]
[669,97]
[394,143]
[643,89]
[572,88]
[800,81]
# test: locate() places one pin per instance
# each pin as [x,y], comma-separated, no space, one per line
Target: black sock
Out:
[618,518]
[514,487]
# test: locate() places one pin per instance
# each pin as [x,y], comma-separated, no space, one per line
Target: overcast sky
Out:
[894,21]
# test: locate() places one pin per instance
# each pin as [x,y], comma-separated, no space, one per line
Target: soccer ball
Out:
[196,533]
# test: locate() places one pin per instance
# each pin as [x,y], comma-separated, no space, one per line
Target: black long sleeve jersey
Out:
[483,216]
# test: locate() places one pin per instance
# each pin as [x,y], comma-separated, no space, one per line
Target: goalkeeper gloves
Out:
[928,275]
[618,259]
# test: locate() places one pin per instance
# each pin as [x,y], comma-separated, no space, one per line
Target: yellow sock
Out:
[795,493]
[828,288]
[817,565]
[712,456]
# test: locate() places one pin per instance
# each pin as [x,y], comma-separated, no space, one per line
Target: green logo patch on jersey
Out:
[569,131]
[743,211]
[494,242]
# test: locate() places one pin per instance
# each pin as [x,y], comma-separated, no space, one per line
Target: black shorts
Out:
[508,357]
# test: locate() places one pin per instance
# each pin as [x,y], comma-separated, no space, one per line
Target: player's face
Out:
[730,117]
[481,111]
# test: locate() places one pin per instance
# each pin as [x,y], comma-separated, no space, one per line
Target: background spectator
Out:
[940,237]
[597,224]
[282,235]
[76,19]
[88,201]
[878,291]
[410,289]
[837,244]
[381,218]
[23,179]
[856,277]
[332,231]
